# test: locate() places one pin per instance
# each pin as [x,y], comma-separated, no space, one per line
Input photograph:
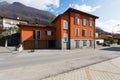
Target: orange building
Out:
[72,29]
[75,29]
[37,36]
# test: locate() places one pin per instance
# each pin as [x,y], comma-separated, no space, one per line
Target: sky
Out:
[108,11]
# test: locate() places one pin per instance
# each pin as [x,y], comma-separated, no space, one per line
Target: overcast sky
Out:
[107,10]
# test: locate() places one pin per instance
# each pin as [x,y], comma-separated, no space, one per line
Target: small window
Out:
[65,25]
[90,33]
[65,37]
[84,33]
[77,19]
[84,22]
[49,33]
[91,22]
[77,32]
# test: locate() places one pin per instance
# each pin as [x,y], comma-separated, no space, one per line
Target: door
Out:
[37,38]
[77,44]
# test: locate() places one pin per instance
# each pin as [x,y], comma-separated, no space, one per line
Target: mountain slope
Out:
[24,12]
[99,30]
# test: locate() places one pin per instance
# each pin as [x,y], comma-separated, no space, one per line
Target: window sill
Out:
[65,29]
[49,35]
[77,24]
[77,36]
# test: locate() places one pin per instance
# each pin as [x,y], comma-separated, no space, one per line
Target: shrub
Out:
[1,36]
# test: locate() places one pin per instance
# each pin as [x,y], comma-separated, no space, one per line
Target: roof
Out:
[71,9]
[104,36]
[13,18]
[116,36]
[32,25]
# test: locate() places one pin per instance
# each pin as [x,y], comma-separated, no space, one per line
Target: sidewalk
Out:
[109,70]
[4,50]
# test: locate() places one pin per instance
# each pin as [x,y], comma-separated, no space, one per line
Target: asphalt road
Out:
[9,60]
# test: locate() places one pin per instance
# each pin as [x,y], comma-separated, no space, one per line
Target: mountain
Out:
[4,3]
[24,12]
[99,30]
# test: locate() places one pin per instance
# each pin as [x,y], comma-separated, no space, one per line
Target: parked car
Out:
[105,44]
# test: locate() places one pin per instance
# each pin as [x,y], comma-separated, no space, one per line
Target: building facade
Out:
[72,29]
[75,29]
[10,23]
[37,36]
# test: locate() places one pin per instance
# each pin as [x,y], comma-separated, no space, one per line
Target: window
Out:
[84,22]
[83,32]
[49,33]
[65,37]
[84,42]
[36,34]
[77,32]
[90,43]
[90,33]
[65,25]
[91,22]
[76,18]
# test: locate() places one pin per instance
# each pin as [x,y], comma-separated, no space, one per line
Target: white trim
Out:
[65,24]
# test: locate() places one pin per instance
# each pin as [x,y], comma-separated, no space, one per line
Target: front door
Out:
[37,37]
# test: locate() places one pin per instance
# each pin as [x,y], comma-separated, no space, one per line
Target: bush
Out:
[1,36]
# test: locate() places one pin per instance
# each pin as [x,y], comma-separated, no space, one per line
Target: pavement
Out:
[108,70]
[4,50]
[85,64]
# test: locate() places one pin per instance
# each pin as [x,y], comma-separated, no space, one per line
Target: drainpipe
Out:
[94,36]
[69,44]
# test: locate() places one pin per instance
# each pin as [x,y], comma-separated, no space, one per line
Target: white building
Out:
[10,23]
[98,41]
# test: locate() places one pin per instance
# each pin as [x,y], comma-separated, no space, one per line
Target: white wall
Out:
[100,40]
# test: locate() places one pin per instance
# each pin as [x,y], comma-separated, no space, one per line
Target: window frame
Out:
[84,42]
[91,33]
[84,22]
[77,19]
[49,34]
[84,34]
[91,22]
[77,32]
[35,34]
[65,37]
[65,24]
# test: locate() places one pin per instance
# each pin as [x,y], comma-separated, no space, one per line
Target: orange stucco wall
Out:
[27,33]
[57,24]
[60,31]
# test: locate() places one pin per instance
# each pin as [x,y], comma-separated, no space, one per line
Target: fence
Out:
[42,44]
